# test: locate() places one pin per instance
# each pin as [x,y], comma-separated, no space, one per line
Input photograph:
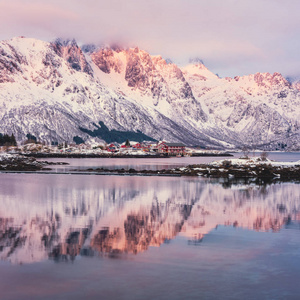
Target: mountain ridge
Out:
[51,90]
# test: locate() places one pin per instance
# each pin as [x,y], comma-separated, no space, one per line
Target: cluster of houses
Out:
[101,149]
[160,147]
[128,148]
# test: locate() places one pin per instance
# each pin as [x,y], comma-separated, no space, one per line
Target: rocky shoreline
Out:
[234,168]
[9,162]
[89,155]
[94,155]
[264,170]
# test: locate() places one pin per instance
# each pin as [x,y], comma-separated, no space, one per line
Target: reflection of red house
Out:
[171,148]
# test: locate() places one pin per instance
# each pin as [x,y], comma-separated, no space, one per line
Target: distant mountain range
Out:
[60,92]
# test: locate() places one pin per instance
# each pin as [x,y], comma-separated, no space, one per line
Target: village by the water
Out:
[127,148]
[20,158]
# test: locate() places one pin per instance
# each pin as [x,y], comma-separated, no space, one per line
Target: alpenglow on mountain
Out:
[57,92]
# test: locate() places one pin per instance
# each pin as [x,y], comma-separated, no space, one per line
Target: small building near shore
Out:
[112,148]
[171,148]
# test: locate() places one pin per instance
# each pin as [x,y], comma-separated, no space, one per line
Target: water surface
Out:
[156,163]
[116,237]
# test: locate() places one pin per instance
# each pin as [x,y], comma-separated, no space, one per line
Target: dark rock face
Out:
[186,91]
[136,74]
[70,51]
[50,61]
[10,64]
[264,80]
[152,77]
[88,48]
[104,59]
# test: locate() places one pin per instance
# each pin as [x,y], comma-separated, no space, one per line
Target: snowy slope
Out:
[257,109]
[52,90]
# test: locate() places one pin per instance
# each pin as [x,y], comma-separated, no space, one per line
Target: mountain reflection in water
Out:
[61,216]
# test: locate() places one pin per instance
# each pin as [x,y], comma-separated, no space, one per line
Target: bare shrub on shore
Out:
[264,155]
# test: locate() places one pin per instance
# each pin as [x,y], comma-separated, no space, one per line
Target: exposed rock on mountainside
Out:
[54,90]
[70,51]
[104,59]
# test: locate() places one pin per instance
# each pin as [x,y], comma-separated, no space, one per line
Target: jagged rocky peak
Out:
[72,53]
[89,48]
[169,61]
[106,60]
[266,80]
[196,70]
[196,61]
[161,63]
[198,64]
[171,72]
[117,48]
[139,68]
[167,100]
[153,76]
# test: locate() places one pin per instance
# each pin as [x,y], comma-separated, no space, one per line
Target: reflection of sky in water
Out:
[127,163]
[154,163]
[193,238]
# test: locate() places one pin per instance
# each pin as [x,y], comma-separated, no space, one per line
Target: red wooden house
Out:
[111,148]
[137,146]
[171,148]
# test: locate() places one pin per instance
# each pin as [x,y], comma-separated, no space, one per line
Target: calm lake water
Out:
[118,237]
[156,163]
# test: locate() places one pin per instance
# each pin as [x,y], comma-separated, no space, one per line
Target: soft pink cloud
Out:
[237,36]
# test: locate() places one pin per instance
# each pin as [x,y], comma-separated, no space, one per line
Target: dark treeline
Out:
[7,140]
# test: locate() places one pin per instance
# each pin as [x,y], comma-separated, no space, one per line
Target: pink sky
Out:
[233,37]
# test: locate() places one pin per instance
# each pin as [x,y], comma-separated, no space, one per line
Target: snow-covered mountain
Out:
[56,91]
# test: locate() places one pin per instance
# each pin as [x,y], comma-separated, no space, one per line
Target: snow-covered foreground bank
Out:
[259,168]
[16,162]
[256,167]
[254,161]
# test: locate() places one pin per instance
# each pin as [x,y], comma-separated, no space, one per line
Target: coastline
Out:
[242,168]
[90,155]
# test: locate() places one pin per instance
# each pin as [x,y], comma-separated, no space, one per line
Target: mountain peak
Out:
[65,42]
[196,61]
[88,48]
[46,92]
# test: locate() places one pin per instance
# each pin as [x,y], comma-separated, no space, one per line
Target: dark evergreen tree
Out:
[7,140]
[13,140]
